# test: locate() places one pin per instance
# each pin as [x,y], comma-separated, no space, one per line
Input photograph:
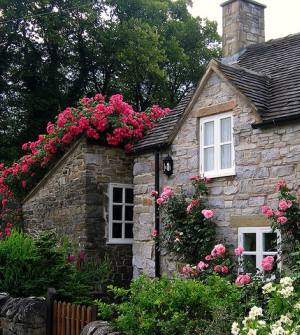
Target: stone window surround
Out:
[259,253]
[110,239]
[215,113]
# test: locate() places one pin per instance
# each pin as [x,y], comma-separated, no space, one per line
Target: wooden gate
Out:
[65,318]
[69,319]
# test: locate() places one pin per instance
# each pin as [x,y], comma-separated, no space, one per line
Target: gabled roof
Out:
[267,74]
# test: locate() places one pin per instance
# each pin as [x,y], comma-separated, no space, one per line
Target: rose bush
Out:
[188,231]
[114,123]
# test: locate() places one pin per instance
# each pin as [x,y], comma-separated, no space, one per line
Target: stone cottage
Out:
[240,127]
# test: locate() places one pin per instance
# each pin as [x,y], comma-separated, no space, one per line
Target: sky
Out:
[281,17]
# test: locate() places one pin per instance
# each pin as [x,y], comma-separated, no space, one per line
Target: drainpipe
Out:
[157,251]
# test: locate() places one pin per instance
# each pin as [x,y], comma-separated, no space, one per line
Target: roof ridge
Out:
[270,42]
[241,68]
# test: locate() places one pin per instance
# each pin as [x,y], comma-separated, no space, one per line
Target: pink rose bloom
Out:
[284,204]
[278,213]
[154,233]
[202,266]
[282,219]
[238,251]
[225,269]
[218,268]
[242,280]
[267,211]
[207,213]
[167,193]
[193,203]
[208,258]
[154,193]
[218,250]
[206,180]
[194,178]
[280,184]
[267,263]
[160,201]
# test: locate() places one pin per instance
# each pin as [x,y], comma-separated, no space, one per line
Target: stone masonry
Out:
[262,156]
[73,200]
[243,24]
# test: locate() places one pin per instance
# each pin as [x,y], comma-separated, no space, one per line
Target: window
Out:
[258,243]
[120,214]
[216,145]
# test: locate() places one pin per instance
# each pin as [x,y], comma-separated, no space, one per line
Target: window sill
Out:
[220,175]
[119,242]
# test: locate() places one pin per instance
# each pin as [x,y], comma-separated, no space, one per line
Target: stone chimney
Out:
[243,24]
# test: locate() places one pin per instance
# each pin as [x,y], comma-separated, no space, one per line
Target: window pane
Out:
[129,195]
[250,241]
[117,230]
[117,212]
[208,159]
[208,133]
[118,195]
[128,230]
[270,241]
[249,263]
[225,156]
[226,129]
[129,213]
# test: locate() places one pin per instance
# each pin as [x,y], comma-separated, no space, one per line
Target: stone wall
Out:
[22,316]
[262,156]
[73,200]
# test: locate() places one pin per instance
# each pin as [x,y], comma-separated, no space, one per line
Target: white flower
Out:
[235,330]
[268,288]
[286,292]
[262,323]
[286,319]
[254,312]
[286,281]
[297,306]
[252,332]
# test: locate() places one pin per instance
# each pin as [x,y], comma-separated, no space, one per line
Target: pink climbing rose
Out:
[242,280]
[268,263]
[154,233]
[207,213]
[218,250]
[282,219]
[239,251]
[284,204]
[267,211]
[201,266]
[280,184]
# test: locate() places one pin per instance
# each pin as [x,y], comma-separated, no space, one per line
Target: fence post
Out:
[94,313]
[51,294]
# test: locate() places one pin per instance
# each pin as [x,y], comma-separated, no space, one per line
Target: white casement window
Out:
[216,145]
[120,214]
[258,243]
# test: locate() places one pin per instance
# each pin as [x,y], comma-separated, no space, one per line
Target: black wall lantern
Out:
[168,165]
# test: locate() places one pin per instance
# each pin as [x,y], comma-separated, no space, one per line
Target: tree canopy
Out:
[52,52]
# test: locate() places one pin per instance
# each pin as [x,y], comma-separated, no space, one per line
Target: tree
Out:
[55,51]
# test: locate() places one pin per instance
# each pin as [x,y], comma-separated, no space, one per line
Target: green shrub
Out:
[29,266]
[175,306]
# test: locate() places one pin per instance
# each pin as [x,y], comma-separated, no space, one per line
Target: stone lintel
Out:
[248,221]
[216,109]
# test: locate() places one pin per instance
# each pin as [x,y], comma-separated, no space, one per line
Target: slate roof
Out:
[266,73]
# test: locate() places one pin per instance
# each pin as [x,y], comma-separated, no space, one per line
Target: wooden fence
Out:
[67,319]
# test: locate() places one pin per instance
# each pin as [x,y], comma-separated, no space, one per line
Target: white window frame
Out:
[259,253]
[122,240]
[217,172]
